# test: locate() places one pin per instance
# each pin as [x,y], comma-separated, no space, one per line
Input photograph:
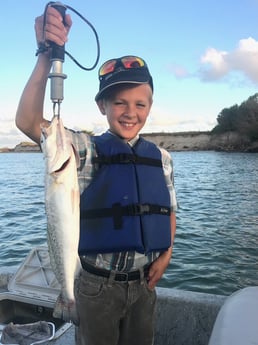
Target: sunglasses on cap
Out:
[126,62]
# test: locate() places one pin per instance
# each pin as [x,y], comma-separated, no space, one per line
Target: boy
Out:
[127,197]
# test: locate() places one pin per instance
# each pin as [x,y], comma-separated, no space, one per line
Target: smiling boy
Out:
[127,200]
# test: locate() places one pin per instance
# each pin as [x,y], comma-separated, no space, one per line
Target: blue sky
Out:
[203,56]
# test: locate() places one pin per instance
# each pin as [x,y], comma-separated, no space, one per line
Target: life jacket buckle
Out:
[140,209]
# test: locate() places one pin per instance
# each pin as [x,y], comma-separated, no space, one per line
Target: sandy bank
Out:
[181,141]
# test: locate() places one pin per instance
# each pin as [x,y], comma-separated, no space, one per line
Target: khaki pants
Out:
[114,313]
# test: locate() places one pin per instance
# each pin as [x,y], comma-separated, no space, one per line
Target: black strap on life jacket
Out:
[117,211]
[127,158]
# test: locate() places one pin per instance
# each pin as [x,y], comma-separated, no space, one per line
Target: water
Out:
[22,214]
[216,245]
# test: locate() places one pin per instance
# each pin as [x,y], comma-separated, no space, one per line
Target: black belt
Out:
[121,277]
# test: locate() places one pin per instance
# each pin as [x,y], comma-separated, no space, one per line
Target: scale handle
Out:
[58,52]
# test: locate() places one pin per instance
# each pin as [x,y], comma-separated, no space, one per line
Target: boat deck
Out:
[182,317]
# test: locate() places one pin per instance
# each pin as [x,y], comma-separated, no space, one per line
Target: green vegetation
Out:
[87,132]
[242,119]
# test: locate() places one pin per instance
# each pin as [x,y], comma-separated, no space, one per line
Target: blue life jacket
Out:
[126,207]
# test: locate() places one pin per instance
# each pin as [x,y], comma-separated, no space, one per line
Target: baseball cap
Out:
[125,70]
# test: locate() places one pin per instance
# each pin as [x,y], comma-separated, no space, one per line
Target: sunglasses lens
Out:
[127,61]
[108,67]
[132,62]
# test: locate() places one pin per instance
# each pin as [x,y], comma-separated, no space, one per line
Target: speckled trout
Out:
[62,210]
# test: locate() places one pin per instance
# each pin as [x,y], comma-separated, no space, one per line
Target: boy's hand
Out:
[158,267]
[55,30]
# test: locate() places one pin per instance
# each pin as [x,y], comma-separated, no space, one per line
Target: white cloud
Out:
[217,64]
[179,71]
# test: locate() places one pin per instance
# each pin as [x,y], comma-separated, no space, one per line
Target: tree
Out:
[248,117]
[242,119]
[226,120]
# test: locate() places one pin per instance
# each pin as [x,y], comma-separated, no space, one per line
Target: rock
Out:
[203,141]
[27,147]
[5,150]
[181,141]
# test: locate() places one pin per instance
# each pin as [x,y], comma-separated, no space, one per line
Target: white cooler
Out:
[32,293]
[237,320]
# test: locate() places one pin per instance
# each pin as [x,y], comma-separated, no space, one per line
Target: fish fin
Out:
[77,157]
[66,310]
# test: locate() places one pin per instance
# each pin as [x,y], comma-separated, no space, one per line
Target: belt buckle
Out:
[122,277]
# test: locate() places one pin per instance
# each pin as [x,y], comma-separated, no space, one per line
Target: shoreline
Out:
[177,141]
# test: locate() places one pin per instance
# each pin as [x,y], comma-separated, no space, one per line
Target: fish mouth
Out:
[63,166]
[56,169]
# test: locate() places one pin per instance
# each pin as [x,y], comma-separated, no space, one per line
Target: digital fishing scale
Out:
[57,58]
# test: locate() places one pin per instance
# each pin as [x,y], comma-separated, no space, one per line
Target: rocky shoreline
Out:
[22,147]
[178,141]
[203,141]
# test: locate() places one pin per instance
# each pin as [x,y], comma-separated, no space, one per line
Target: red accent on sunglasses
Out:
[126,62]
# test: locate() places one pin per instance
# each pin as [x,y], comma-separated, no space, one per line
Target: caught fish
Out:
[62,210]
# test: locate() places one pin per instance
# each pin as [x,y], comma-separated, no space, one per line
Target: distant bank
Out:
[179,141]
[203,141]
[22,147]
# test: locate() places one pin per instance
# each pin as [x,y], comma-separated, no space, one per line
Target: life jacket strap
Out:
[126,158]
[117,211]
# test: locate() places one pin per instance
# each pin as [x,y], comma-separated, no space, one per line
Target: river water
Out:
[216,245]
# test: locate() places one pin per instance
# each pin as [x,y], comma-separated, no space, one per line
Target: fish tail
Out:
[66,310]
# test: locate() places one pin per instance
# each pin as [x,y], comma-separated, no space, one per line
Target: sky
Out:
[203,57]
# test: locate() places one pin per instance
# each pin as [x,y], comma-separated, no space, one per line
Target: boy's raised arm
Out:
[29,115]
